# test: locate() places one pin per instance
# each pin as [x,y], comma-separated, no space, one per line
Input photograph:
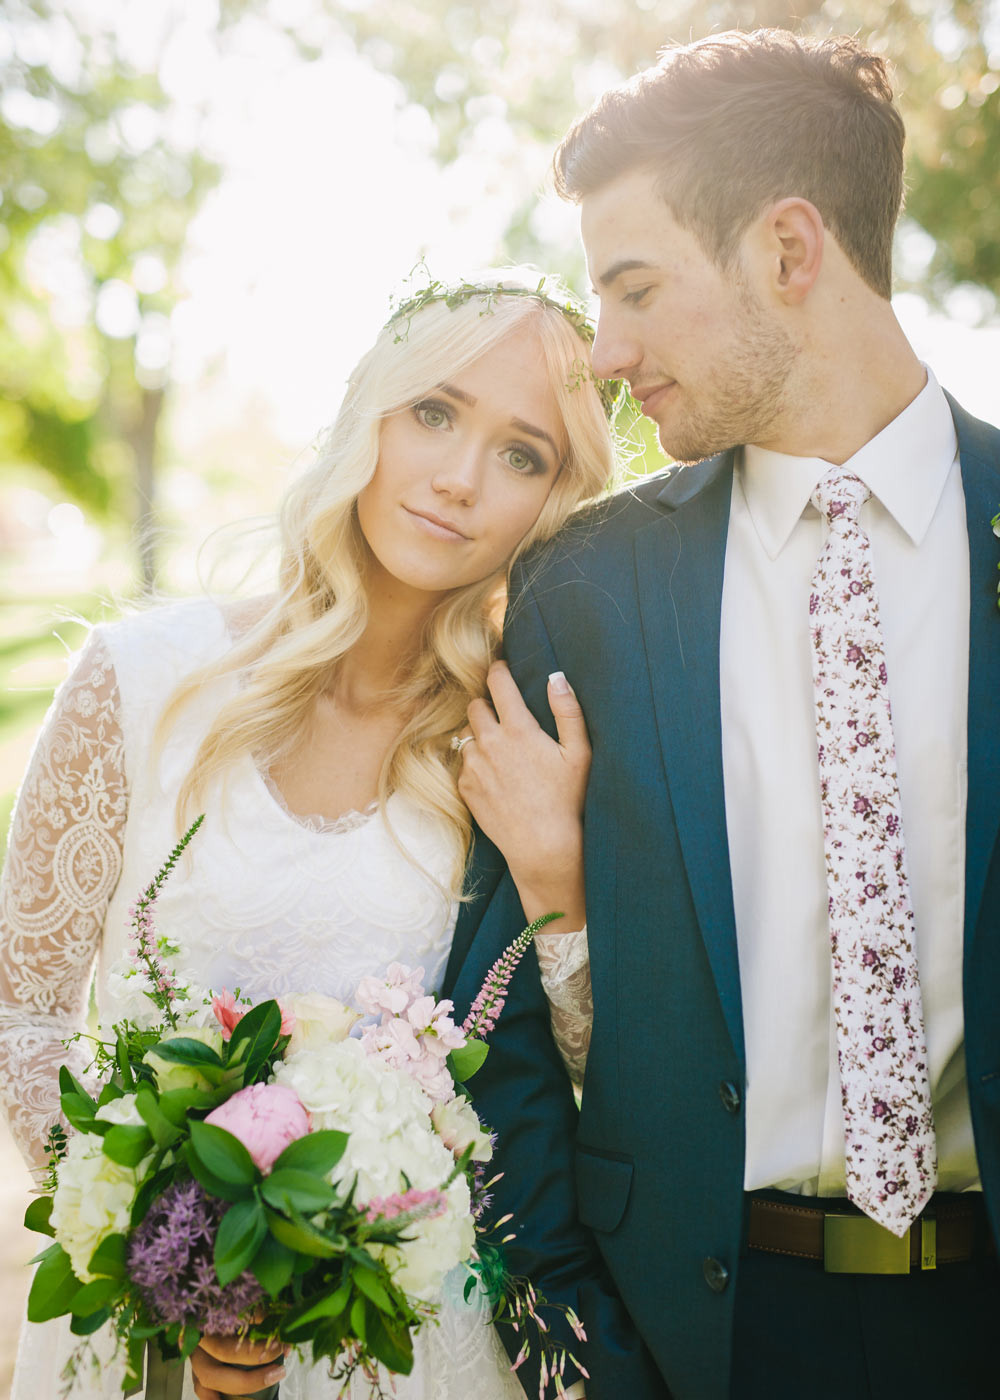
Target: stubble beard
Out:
[747,392]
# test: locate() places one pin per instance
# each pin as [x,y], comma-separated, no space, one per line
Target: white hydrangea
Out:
[94,1195]
[392,1146]
[126,990]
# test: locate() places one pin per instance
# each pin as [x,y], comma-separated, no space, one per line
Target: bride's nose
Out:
[459,473]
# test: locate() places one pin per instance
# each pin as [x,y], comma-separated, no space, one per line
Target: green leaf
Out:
[252,1042]
[316,1152]
[190,1338]
[358,1318]
[36,1217]
[181,1050]
[369,1285]
[124,1065]
[463,1063]
[176,1104]
[109,1258]
[83,1326]
[164,1132]
[54,1286]
[273,1265]
[331,1304]
[287,1189]
[214,1185]
[224,1155]
[135,1355]
[109,1093]
[302,1237]
[392,1344]
[95,1295]
[154,1185]
[69,1085]
[241,1231]
[127,1144]
[79,1110]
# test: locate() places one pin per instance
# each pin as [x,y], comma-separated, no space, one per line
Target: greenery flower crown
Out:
[611,391]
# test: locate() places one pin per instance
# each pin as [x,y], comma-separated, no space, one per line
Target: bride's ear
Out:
[792,237]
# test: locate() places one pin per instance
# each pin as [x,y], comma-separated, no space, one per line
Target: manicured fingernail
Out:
[277,1373]
[559,683]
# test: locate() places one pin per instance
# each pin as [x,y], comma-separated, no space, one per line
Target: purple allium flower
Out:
[170,1259]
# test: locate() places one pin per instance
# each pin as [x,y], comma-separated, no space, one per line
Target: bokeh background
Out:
[204,205]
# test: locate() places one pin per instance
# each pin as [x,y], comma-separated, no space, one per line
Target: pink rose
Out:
[265,1118]
[229,1013]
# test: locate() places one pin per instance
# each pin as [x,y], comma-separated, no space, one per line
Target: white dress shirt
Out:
[920,554]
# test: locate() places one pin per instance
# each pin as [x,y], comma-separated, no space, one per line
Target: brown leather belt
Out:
[949,1230]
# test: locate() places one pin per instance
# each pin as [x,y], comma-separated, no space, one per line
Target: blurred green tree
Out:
[535,64]
[98,183]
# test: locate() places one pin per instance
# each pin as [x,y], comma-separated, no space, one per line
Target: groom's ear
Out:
[790,235]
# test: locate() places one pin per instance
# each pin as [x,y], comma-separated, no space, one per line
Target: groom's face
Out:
[702,352]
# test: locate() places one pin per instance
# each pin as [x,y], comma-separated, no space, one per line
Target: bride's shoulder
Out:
[166,623]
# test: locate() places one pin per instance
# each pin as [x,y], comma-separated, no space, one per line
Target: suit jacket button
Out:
[730,1096]
[716,1274]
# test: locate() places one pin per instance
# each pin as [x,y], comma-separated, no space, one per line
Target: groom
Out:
[792,886]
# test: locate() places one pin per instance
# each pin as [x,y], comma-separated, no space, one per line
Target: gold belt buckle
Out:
[854,1244]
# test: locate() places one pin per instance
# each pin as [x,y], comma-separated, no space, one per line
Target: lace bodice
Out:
[262,901]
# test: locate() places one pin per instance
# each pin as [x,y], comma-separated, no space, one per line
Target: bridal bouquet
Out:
[257,1170]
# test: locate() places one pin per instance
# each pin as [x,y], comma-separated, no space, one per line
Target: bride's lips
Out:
[653,396]
[434,525]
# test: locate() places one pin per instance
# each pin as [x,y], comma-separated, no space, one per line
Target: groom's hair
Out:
[732,123]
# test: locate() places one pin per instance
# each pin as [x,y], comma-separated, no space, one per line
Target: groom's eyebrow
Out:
[623,265]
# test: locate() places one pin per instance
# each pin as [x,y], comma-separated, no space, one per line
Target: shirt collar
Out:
[905,466]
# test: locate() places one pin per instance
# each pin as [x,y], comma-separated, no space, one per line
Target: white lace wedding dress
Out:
[263,900]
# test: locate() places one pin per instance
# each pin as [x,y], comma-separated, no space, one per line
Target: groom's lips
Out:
[652,396]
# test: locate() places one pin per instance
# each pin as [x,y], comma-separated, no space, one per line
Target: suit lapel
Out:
[981,485]
[680,560]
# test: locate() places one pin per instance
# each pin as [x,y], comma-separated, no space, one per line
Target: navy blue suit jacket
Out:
[633,1210]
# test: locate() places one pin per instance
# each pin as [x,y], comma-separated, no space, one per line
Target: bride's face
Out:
[463,474]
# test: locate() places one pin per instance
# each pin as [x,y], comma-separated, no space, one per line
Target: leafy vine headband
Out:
[610,391]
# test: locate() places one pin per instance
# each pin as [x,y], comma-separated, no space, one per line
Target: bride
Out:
[314,729]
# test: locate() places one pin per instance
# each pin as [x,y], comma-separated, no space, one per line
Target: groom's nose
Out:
[615,353]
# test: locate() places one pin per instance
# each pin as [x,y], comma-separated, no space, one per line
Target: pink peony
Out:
[229,1013]
[265,1118]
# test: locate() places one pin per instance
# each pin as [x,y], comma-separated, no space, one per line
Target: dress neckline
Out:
[315,822]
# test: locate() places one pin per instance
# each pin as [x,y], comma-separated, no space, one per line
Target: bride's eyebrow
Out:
[459,394]
[532,431]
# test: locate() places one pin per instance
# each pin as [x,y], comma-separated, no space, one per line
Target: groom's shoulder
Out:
[608,525]
[976,437]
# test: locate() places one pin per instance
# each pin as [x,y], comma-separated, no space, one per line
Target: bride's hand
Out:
[526,791]
[216,1375]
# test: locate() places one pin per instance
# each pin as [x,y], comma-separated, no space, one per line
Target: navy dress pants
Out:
[803,1334]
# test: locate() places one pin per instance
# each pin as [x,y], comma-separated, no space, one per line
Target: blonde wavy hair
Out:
[320,608]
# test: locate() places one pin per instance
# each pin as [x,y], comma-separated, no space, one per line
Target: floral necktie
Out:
[890,1151]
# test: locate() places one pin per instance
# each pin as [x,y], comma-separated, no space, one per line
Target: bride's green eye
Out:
[431,414]
[523,461]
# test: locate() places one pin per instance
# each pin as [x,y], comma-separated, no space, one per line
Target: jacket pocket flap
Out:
[602,1186]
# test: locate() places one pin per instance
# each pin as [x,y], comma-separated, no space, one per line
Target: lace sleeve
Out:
[564,964]
[62,866]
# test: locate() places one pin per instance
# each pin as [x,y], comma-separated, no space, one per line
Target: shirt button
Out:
[716,1274]
[730,1096]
